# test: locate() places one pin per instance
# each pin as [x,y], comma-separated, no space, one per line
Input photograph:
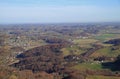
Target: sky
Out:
[59,11]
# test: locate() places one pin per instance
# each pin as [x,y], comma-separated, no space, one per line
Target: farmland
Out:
[49,51]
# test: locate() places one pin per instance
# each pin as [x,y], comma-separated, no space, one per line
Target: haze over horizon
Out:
[59,11]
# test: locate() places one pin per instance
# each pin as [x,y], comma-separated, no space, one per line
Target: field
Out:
[84,41]
[107,51]
[88,66]
[73,50]
[104,37]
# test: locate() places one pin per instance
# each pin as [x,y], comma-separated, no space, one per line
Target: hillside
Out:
[47,58]
[60,51]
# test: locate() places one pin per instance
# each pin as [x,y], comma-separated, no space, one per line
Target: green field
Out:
[107,51]
[76,50]
[84,41]
[90,66]
[104,37]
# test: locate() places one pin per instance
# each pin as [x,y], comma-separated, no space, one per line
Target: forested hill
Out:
[47,58]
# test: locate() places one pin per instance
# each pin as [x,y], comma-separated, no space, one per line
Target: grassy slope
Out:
[84,41]
[106,52]
[73,50]
[106,36]
[85,66]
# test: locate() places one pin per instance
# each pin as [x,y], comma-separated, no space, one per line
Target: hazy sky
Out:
[57,11]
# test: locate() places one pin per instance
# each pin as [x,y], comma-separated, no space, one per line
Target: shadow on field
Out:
[111,66]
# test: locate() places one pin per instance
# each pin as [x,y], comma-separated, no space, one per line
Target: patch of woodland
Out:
[46,58]
[55,40]
[113,41]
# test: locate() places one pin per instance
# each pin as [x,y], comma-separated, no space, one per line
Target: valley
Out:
[60,51]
